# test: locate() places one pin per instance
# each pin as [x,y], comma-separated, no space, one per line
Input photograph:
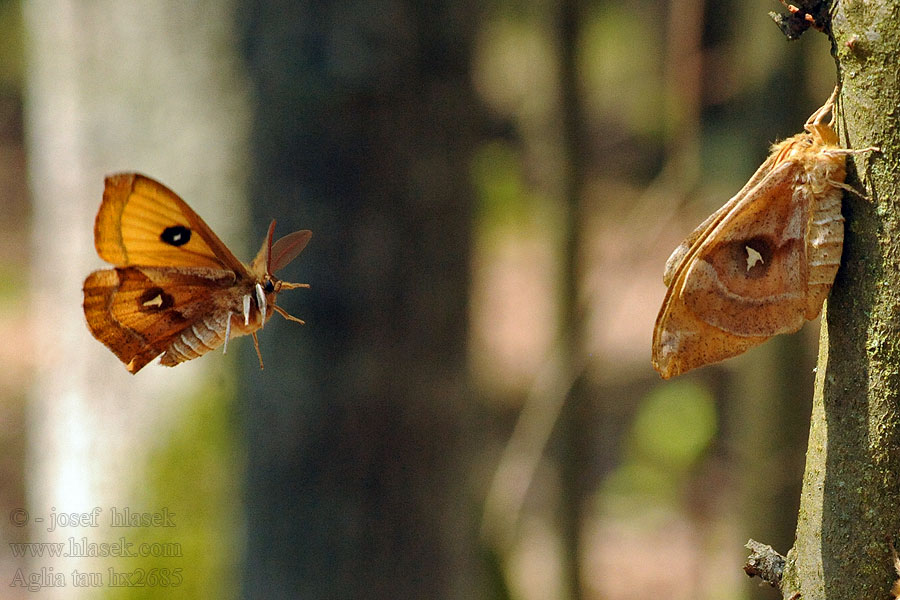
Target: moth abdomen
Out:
[201,337]
[824,246]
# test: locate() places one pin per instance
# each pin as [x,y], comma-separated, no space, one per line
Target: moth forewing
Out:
[142,222]
[706,228]
[702,319]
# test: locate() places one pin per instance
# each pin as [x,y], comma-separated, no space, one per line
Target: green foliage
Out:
[673,428]
[194,475]
[622,68]
[503,196]
[13,284]
[11,45]
[675,424]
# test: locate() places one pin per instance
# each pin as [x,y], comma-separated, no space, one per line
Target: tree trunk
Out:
[358,484]
[116,86]
[849,513]
[575,417]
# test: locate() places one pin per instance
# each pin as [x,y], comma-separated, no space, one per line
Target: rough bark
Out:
[851,490]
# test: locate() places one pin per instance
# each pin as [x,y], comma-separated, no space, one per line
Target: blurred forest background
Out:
[470,411]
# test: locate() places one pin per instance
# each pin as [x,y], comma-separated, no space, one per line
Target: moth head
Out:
[271,258]
[262,298]
[821,130]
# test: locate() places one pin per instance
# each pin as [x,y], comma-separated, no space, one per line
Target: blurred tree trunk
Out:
[359,426]
[851,490]
[115,86]
[575,418]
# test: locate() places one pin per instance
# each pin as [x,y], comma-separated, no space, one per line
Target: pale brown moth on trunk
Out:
[763,263]
[177,290]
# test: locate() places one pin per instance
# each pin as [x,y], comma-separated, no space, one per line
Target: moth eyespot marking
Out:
[176,235]
[154,300]
[753,257]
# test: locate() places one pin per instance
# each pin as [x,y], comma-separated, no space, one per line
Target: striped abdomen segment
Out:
[201,337]
[824,244]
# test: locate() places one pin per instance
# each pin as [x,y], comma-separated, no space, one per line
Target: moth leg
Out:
[850,151]
[261,302]
[246,309]
[227,335]
[288,316]
[849,188]
[853,150]
[293,286]
[256,345]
